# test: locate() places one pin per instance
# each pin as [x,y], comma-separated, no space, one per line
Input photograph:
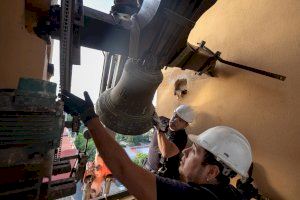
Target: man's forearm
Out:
[166,147]
[114,156]
[161,140]
[108,148]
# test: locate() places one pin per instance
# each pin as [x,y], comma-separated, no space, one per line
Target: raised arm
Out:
[139,182]
[166,147]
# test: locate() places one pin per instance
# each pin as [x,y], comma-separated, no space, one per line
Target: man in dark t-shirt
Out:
[166,146]
[216,156]
[172,189]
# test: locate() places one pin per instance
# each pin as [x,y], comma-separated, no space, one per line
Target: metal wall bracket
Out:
[203,60]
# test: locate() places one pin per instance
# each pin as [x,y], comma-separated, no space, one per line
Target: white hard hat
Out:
[185,112]
[228,145]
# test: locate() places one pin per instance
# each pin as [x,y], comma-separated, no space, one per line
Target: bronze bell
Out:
[127,108]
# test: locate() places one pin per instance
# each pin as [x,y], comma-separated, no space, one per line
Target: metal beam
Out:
[102,31]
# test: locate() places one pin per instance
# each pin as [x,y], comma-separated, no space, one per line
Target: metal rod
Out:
[262,72]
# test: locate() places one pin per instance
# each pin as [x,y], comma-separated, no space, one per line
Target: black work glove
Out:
[160,123]
[77,106]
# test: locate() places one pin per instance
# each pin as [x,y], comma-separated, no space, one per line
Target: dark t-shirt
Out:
[176,190]
[179,138]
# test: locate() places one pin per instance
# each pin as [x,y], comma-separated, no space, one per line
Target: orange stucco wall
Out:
[265,34]
[22,54]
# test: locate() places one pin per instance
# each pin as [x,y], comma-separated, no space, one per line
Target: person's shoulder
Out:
[232,193]
[170,183]
[172,189]
[224,192]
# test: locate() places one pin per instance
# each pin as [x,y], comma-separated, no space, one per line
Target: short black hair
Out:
[210,159]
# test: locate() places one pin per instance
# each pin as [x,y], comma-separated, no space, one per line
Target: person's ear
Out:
[186,124]
[213,172]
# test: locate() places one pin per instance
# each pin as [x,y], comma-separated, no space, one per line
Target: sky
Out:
[87,76]
[102,5]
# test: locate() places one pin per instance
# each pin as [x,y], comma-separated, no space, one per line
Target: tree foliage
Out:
[140,159]
[124,140]
[134,140]
[80,142]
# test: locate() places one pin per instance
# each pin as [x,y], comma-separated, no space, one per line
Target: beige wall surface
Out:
[21,54]
[264,34]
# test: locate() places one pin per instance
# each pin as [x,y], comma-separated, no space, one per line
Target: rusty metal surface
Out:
[33,115]
[13,185]
[31,122]
[60,167]
[58,189]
